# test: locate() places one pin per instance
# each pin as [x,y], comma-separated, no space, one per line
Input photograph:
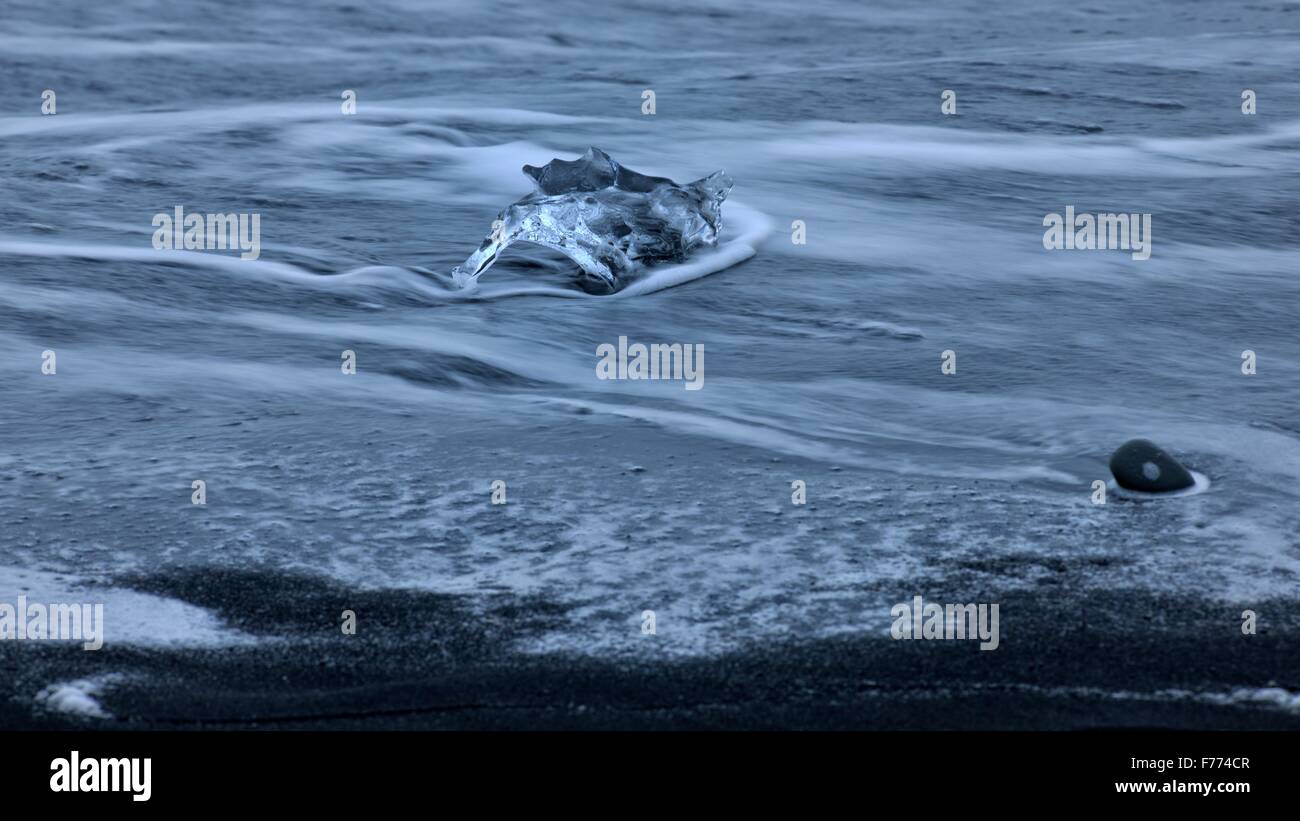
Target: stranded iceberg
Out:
[608,219]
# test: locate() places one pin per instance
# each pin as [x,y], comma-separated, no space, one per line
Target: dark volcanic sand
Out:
[423,660]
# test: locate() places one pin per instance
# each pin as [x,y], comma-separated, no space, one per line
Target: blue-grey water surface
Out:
[924,234]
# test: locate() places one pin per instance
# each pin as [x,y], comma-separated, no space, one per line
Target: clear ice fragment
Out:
[608,219]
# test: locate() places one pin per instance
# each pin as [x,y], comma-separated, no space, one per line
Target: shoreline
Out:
[1092,660]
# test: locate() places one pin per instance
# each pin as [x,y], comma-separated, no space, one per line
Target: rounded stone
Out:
[1139,464]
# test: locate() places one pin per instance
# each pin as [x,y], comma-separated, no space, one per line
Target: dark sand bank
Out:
[420,660]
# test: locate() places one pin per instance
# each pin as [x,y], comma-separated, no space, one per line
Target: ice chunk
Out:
[609,219]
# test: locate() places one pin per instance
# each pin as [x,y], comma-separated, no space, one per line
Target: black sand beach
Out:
[872,238]
[1105,660]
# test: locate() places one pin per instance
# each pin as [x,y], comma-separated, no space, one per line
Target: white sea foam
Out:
[79,698]
[130,617]
[744,230]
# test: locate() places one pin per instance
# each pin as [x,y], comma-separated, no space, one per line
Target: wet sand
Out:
[422,660]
